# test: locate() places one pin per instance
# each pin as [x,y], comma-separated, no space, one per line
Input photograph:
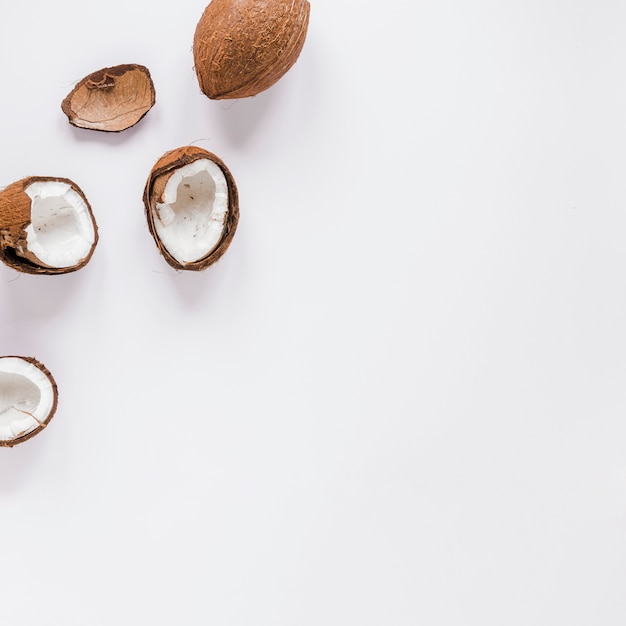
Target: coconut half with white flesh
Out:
[192,207]
[28,399]
[46,226]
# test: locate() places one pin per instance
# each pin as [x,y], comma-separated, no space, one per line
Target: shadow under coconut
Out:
[32,298]
[207,288]
[239,119]
[193,288]
[85,135]
[17,463]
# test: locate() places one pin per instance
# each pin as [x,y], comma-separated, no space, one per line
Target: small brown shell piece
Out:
[9,443]
[111,99]
[242,47]
[160,174]
[16,218]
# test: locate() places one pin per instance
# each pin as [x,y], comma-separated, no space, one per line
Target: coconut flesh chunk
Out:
[27,398]
[61,233]
[191,219]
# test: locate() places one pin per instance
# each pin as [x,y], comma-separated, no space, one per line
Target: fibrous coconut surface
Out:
[242,47]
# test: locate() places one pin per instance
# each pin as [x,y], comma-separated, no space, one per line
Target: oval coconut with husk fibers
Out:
[243,47]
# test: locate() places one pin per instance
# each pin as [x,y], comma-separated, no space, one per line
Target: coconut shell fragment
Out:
[46,226]
[192,207]
[242,47]
[28,399]
[111,99]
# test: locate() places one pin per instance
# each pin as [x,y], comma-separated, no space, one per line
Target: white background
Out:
[400,397]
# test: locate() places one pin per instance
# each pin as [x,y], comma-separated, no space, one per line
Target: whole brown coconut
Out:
[192,207]
[242,47]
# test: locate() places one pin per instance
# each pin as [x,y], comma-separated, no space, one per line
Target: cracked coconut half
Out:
[111,99]
[46,226]
[28,399]
[192,207]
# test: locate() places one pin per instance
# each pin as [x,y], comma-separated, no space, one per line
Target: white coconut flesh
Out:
[61,232]
[190,220]
[26,398]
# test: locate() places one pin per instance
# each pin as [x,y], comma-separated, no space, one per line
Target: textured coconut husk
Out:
[55,394]
[153,193]
[111,99]
[242,47]
[15,216]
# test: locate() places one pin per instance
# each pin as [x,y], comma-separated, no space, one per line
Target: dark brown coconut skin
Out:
[44,369]
[243,47]
[111,99]
[15,207]
[153,193]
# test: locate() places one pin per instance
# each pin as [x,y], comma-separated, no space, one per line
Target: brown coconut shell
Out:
[242,47]
[153,194]
[15,216]
[111,99]
[55,392]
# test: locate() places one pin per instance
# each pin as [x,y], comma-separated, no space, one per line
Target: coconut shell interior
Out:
[111,99]
[242,47]
[153,194]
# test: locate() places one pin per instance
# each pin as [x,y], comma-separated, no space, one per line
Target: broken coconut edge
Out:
[30,364]
[16,227]
[157,181]
[105,81]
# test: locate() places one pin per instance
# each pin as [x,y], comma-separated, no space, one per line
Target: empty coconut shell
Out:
[46,226]
[192,207]
[242,47]
[111,99]
[28,399]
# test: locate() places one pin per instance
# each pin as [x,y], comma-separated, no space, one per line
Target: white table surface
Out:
[399,399]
